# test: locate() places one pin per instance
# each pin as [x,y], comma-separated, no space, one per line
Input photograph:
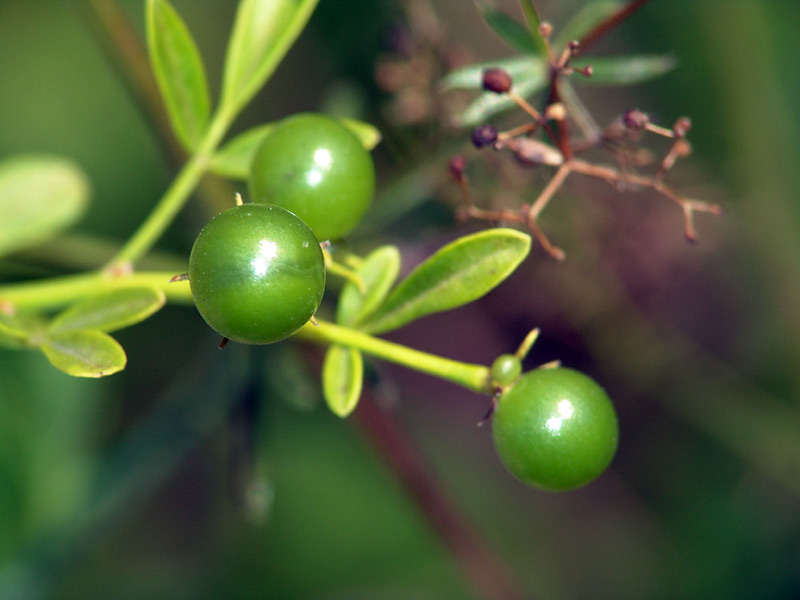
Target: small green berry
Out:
[505,370]
[257,273]
[555,429]
[315,167]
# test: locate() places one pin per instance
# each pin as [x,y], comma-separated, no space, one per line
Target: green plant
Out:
[313,166]
[555,428]
[256,273]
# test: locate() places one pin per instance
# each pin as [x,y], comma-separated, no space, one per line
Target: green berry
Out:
[555,429]
[505,370]
[257,273]
[315,167]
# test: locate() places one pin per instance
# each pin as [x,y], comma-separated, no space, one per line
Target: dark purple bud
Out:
[496,80]
[484,135]
[635,120]
[456,166]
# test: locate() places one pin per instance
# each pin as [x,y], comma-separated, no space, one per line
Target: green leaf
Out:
[179,72]
[342,379]
[378,271]
[368,135]
[84,353]
[533,20]
[39,196]
[263,32]
[16,330]
[512,32]
[521,68]
[624,70]
[110,311]
[457,274]
[233,160]
[586,19]
[528,73]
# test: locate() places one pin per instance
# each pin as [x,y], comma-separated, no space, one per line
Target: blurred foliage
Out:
[150,484]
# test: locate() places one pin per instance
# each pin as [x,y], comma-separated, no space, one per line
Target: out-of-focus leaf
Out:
[263,32]
[233,160]
[457,274]
[528,73]
[84,352]
[16,330]
[378,271]
[512,32]
[624,70]
[342,378]
[533,20]
[586,19]
[39,196]
[111,311]
[367,134]
[521,68]
[179,72]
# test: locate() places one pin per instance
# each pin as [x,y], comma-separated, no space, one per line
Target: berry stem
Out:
[474,377]
[174,198]
[58,291]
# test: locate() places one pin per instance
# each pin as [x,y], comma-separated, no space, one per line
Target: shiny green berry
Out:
[555,429]
[315,167]
[257,273]
[505,370]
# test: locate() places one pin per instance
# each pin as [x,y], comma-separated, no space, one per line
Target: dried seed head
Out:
[496,80]
[484,135]
[531,152]
[545,29]
[635,119]
[682,127]
[456,167]
[556,111]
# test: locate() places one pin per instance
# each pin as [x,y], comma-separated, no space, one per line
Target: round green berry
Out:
[505,370]
[257,273]
[555,429]
[315,167]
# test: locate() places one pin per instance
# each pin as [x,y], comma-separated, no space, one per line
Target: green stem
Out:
[175,197]
[473,377]
[58,291]
[53,293]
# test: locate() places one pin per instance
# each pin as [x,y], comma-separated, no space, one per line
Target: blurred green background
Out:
[205,474]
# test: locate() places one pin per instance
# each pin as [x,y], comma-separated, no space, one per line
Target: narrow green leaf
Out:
[342,379]
[489,104]
[233,160]
[16,330]
[457,274]
[625,70]
[521,69]
[111,311]
[533,20]
[179,71]
[368,135]
[39,196]
[263,32]
[586,19]
[512,32]
[528,73]
[84,353]
[378,271]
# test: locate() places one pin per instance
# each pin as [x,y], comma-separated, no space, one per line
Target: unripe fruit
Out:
[555,429]
[315,167]
[257,273]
